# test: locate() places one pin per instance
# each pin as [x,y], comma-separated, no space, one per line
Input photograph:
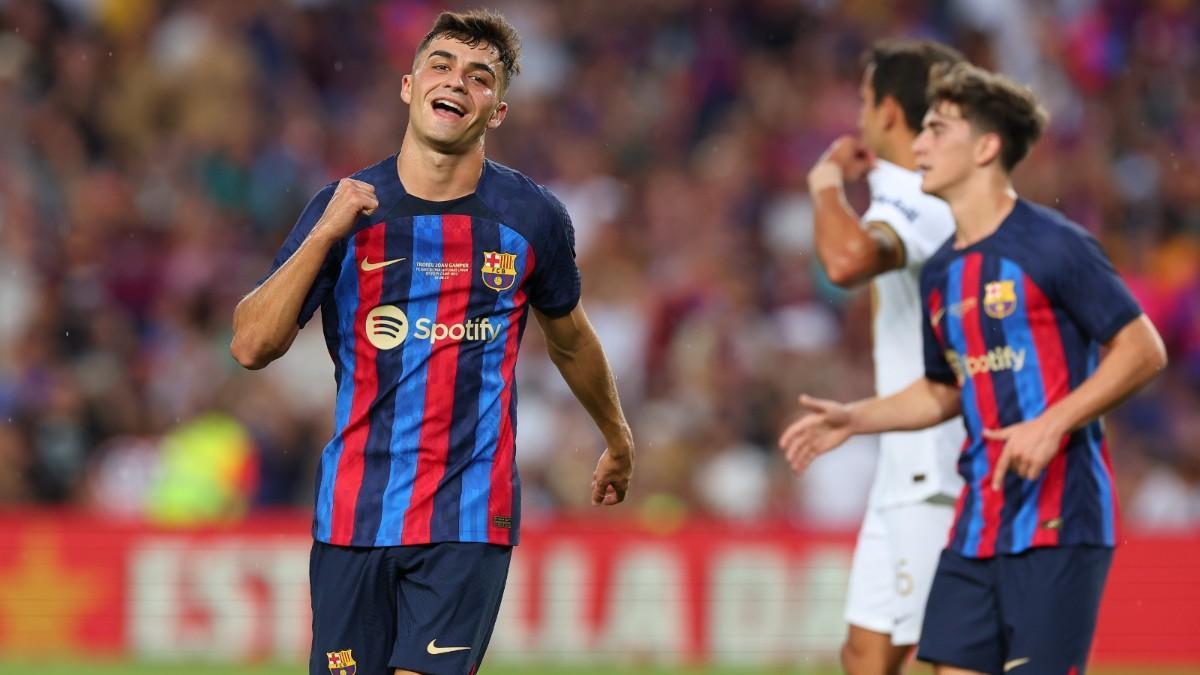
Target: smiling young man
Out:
[425,266]
[1017,307]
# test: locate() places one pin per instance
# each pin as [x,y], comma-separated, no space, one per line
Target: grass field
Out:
[44,668]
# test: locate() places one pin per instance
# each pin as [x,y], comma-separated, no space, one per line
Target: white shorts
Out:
[894,561]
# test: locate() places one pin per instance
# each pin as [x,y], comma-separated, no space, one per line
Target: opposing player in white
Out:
[910,508]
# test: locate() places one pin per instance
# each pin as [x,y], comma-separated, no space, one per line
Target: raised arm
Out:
[922,404]
[576,352]
[850,252]
[265,321]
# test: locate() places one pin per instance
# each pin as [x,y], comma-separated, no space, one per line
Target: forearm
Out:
[922,404]
[586,371]
[264,322]
[1136,356]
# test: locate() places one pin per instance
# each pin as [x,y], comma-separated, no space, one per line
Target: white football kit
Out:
[911,505]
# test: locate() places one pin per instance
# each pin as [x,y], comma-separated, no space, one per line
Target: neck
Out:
[897,149]
[980,204]
[437,176]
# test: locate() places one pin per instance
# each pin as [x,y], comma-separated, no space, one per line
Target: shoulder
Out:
[1051,227]
[519,199]
[376,173]
[1048,244]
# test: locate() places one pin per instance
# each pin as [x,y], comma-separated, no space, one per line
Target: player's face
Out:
[945,149]
[870,114]
[453,94]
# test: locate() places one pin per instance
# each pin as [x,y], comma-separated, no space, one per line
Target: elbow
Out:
[1154,353]
[251,355]
[1158,358]
[841,276]
[844,274]
[846,268]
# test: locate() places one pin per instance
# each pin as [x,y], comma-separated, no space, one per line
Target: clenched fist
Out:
[351,199]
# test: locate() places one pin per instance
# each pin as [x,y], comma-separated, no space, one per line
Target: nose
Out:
[919,143]
[456,80]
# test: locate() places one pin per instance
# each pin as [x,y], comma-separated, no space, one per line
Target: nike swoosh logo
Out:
[435,650]
[1009,665]
[368,266]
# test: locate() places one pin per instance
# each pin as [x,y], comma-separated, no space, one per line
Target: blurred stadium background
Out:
[155,154]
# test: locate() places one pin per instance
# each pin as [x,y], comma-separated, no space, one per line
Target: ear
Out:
[406,89]
[987,148]
[498,116]
[893,114]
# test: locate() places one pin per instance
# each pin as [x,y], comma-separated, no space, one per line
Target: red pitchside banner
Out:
[606,590]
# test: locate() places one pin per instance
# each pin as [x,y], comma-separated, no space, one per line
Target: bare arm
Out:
[576,352]
[1135,355]
[850,252]
[922,404]
[264,322]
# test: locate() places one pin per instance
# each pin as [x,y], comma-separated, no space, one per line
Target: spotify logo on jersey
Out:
[386,327]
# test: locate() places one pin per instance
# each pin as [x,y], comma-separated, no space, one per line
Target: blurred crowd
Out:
[154,155]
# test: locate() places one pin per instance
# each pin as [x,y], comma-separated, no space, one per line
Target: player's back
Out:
[913,466]
[1018,318]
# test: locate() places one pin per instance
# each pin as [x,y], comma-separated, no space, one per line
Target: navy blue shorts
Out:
[1025,614]
[428,609]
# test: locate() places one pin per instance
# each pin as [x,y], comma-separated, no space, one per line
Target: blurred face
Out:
[870,115]
[453,94]
[946,150]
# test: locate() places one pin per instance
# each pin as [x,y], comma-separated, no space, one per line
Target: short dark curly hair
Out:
[480,26]
[992,103]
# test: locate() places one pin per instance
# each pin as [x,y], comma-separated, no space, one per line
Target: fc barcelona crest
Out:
[1000,298]
[341,663]
[499,270]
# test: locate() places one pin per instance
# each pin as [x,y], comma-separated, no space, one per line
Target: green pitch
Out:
[43,668]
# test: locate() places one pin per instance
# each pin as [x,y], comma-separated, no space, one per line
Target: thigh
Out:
[962,624]
[917,535]
[869,598]
[353,611]
[448,598]
[1049,601]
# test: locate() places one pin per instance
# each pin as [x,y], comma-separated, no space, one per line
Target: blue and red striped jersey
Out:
[423,307]
[1016,320]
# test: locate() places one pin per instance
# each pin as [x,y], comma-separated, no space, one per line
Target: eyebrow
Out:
[472,64]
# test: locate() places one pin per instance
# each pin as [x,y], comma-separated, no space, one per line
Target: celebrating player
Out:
[911,502]
[425,266]
[1017,307]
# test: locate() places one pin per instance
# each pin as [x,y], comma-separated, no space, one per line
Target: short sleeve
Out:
[1092,292]
[922,224]
[556,283]
[327,276]
[932,314]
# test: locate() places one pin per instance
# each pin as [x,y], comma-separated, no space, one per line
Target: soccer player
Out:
[425,266]
[1017,307]
[910,507]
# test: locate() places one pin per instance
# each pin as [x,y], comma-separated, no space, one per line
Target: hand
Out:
[610,481]
[851,156]
[815,434]
[1028,448]
[351,199]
